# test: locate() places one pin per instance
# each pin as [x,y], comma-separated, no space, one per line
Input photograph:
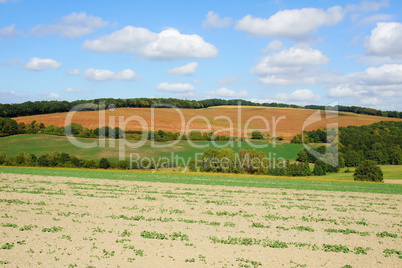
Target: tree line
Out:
[246,161]
[379,142]
[10,127]
[65,160]
[48,107]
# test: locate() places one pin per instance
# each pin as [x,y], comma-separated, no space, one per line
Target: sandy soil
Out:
[103,222]
[393,181]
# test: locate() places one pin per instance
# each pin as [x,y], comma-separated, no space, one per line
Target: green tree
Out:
[257,135]
[8,127]
[319,169]
[3,157]
[368,171]
[252,161]
[304,156]
[74,129]
[104,163]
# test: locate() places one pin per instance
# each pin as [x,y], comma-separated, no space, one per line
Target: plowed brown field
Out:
[224,120]
[74,222]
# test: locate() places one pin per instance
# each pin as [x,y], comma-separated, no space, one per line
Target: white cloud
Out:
[73,72]
[72,25]
[186,69]
[358,12]
[368,6]
[212,20]
[72,90]
[227,80]
[51,96]
[272,46]
[376,18]
[166,45]
[345,90]
[380,87]
[102,75]
[38,64]
[12,92]
[9,31]
[299,96]
[385,40]
[175,88]
[10,96]
[387,74]
[228,93]
[290,66]
[370,101]
[296,24]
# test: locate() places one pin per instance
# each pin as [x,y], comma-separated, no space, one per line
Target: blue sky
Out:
[302,52]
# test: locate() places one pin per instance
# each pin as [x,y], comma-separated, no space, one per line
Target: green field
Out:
[391,172]
[44,144]
[302,183]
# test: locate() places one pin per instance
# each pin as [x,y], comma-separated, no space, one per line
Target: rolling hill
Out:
[225,120]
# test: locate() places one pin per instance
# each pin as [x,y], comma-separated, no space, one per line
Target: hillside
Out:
[46,144]
[170,120]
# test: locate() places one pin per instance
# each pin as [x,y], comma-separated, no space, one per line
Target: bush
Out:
[368,171]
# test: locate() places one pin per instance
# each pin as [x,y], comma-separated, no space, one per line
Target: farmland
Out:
[50,217]
[44,144]
[286,122]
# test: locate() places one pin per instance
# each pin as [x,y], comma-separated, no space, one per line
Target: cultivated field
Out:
[77,222]
[47,144]
[169,119]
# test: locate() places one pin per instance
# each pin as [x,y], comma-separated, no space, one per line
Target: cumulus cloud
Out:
[295,24]
[72,25]
[186,69]
[272,46]
[375,86]
[175,88]
[212,20]
[387,74]
[72,90]
[9,31]
[102,75]
[385,40]
[38,64]
[167,45]
[290,66]
[345,91]
[228,93]
[73,72]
